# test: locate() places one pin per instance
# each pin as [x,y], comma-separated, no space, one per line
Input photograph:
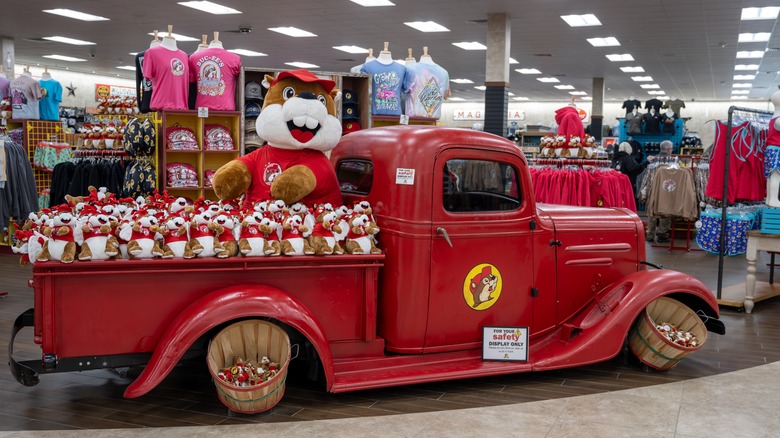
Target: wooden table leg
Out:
[750,280]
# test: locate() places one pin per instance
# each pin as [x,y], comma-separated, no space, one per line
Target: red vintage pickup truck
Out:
[465,247]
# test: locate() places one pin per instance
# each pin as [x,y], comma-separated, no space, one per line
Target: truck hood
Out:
[564,218]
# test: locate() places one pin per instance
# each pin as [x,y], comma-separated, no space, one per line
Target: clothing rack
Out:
[100,153]
[765,117]
[561,162]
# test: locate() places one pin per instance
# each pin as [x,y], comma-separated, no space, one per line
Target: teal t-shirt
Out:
[50,104]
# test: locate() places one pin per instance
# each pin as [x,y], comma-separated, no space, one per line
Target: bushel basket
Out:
[651,346]
[250,340]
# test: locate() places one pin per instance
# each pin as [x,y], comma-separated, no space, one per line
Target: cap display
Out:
[350,112]
[349,97]
[252,139]
[348,127]
[253,90]
[252,109]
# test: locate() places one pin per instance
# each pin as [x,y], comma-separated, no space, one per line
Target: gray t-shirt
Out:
[25,95]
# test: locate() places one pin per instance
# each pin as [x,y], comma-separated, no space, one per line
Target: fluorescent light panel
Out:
[759,37]
[510,94]
[742,85]
[513,61]
[745,54]
[427,26]
[351,49]
[656,92]
[736,92]
[743,67]
[520,98]
[578,93]
[642,78]
[636,69]
[211,8]
[458,99]
[768,13]
[581,20]
[302,64]
[604,42]
[66,40]
[528,71]
[650,86]
[616,57]
[587,98]
[126,67]
[373,3]
[481,87]
[473,45]
[462,81]
[70,13]
[564,87]
[738,97]
[64,58]
[292,31]
[176,36]
[246,52]
[548,80]
[744,77]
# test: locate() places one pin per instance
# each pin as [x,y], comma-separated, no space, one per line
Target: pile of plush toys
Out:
[118,105]
[679,337]
[102,227]
[244,373]
[97,136]
[558,146]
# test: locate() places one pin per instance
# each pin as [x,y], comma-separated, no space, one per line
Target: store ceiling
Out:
[688,47]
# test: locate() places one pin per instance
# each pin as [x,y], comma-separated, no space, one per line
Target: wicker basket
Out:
[653,348]
[251,340]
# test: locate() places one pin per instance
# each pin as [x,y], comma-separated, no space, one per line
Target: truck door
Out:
[481,249]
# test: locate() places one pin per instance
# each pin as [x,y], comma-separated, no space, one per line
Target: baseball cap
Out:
[252,109]
[252,139]
[253,90]
[305,76]
[348,127]
[349,97]
[349,111]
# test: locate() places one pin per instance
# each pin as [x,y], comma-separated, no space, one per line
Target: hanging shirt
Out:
[5,87]
[214,71]
[654,103]
[634,122]
[143,86]
[675,105]
[25,95]
[652,123]
[629,105]
[426,85]
[387,80]
[168,71]
[50,104]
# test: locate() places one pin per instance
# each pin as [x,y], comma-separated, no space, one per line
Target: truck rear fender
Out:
[225,305]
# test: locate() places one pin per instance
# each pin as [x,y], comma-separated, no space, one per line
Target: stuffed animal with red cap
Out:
[299,123]
[61,243]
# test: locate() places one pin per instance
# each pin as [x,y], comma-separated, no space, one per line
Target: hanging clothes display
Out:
[672,193]
[747,181]
[590,184]
[18,195]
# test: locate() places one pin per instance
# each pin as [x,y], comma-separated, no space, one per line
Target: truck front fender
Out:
[235,302]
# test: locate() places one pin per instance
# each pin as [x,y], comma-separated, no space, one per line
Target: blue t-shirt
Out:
[386,81]
[50,104]
[427,84]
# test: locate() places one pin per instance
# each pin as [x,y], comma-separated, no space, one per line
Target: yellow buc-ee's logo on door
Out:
[482,286]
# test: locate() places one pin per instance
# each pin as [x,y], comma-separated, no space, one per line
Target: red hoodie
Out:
[569,122]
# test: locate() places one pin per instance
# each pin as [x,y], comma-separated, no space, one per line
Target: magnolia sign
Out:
[474,114]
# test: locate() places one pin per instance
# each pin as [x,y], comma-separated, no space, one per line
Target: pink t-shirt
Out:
[214,70]
[169,72]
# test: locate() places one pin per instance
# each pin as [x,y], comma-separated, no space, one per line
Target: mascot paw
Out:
[293,184]
[232,180]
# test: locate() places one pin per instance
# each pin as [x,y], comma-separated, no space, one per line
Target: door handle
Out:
[443,232]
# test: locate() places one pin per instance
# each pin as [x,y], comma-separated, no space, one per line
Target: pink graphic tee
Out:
[214,71]
[169,73]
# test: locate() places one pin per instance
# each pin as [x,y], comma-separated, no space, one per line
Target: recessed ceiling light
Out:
[462,81]
[427,26]
[351,49]
[736,92]
[372,3]
[581,20]
[768,13]
[636,69]
[211,8]
[510,94]
[458,99]
[656,92]
[744,77]
[302,64]
[127,67]
[528,71]
[177,37]
[481,87]
[292,31]
[473,45]
[246,52]
[564,87]
[587,98]
[742,85]
[604,42]
[750,54]
[133,53]
[547,80]
[520,98]
[70,13]
[620,57]
[650,86]
[746,67]
[738,97]
[642,78]
[67,40]
[513,61]
[754,37]
[64,58]
[578,93]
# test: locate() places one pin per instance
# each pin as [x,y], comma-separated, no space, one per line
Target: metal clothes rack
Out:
[561,162]
[724,207]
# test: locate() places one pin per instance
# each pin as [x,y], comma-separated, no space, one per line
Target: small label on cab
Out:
[404,176]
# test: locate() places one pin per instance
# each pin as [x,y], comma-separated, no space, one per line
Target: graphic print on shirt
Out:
[18,99]
[272,170]
[430,97]
[669,185]
[386,97]
[177,67]
[210,81]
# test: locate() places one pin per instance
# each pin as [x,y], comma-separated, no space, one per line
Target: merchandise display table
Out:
[758,241]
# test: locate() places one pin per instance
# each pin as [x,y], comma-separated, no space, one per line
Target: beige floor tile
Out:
[669,391]
[487,422]
[400,426]
[580,429]
[721,418]
[632,411]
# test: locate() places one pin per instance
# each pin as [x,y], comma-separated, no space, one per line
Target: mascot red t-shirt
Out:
[268,162]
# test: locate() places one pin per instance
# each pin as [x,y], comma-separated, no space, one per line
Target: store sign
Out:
[505,343]
[102,91]
[583,114]
[473,114]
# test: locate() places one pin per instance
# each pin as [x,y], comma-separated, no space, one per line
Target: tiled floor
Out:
[728,388]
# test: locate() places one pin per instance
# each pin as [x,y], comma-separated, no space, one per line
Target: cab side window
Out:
[355,176]
[479,185]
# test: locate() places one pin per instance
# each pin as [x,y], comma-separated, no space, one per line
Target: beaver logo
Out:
[482,286]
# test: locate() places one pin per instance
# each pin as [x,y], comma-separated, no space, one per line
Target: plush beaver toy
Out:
[299,123]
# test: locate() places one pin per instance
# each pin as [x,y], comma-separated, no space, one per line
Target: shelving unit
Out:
[200,159]
[675,138]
